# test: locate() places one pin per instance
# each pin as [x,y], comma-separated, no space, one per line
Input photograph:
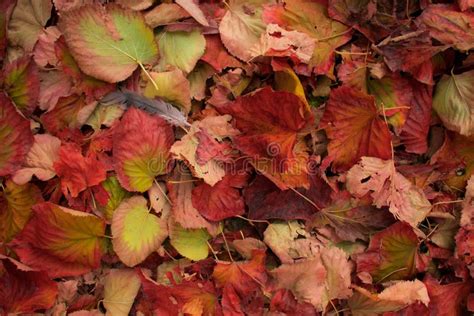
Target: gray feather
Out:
[152,106]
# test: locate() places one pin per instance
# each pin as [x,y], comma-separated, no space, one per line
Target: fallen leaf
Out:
[108,43]
[352,124]
[136,233]
[61,241]
[141,147]
[15,136]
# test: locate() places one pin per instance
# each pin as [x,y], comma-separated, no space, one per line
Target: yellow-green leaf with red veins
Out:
[271,133]
[136,232]
[141,147]
[21,82]
[61,241]
[391,254]
[108,42]
[311,17]
[16,138]
[453,101]
[353,126]
[15,208]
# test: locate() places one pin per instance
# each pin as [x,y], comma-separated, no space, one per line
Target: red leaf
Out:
[354,128]
[21,82]
[391,253]
[141,149]
[270,132]
[285,302]
[61,241]
[217,56]
[446,299]
[24,290]
[264,200]
[16,138]
[245,277]
[448,25]
[221,201]
[77,173]
[415,131]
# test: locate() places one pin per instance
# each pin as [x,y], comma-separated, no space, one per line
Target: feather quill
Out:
[152,106]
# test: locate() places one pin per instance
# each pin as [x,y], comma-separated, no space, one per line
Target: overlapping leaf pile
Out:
[257,157]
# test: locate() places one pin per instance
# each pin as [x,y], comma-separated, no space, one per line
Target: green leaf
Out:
[454,102]
[136,233]
[108,42]
[190,243]
[116,195]
[181,49]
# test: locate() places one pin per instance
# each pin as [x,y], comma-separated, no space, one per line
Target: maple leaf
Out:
[61,241]
[352,124]
[77,173]
[136,233]
[388,188]
[120,289]
[141,147]
[24,290]
[15,207]
[453,102]
[15,136]
[221,201]
[391,254]
[108,43]
[21,82]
